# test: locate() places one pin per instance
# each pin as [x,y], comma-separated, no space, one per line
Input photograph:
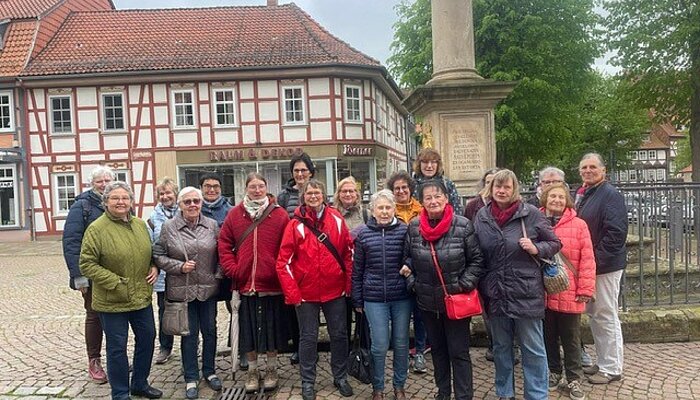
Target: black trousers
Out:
[567,328]
[450,349]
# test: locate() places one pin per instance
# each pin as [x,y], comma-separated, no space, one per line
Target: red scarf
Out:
[433,234]
[502,216]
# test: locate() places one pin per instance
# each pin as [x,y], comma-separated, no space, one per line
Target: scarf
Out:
[169,212]
[430,233]
[502,216]
[255,208]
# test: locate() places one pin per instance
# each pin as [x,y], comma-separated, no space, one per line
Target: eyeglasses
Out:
[194,201]
[211,187]
[313,194]
[256,187]
[429,162]
[401,188]
[349,191]
[116,199]
[300,171]
[548,182]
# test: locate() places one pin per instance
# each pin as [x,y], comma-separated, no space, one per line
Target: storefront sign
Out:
[349,150]
[254,154]
[6,184]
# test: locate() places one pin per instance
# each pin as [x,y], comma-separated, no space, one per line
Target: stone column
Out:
[453,40]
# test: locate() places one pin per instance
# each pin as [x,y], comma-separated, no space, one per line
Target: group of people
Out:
[387,264]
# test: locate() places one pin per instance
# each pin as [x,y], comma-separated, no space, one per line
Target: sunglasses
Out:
[194,201]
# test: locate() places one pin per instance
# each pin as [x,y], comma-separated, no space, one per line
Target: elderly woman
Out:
[483,197]
[562,321]
[315,266]
[380,292]
[187,252]
[428,165]
[513,235]
[164,210]
[347,201]
[442,240]
[116,256]
[248,246]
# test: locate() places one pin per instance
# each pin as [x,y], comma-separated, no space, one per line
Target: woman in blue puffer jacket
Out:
[380,291]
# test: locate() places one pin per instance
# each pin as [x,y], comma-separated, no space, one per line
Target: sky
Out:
[366,25]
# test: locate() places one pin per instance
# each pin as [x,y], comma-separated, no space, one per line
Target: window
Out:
[634,155]
[65,192]
[660,174]
[224,107]
[113,111]
[122,176]
[378,108]
[633,176]
[9,210]
[652,154]
[623,176]
[61,114]
[183,108]
[643,155]
[6,112]
[294,105]
[353,102]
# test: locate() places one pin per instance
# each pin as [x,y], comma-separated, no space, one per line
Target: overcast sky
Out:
[367,25]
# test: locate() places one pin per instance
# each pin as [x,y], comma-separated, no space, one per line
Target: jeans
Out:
[567,327]
[388,323]
[202,316]
[605,323]
[421,337]
[534,357]
[450,349]
[307,314]
[165,341]
[116,328]
[93,327]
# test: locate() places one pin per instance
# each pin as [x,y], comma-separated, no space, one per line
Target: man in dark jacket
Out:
[88,207]
[603,208]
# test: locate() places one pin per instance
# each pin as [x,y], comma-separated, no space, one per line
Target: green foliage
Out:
[412,49]
[683,154]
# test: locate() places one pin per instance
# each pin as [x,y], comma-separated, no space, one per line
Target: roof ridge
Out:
[152,10]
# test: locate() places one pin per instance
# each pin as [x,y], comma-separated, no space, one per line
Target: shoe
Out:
[442,397]
[163,356]
[489,354]
[575,392]
[506,398]
[191,392]
[592,370]
[307,391]
[148,392]
[96,372]
[243,364]
[271,379]
[399,394]
[516,355]
[252,381]
[377,395]
[419,364]
[294,358]
[214,382]
[602,378]
[343,387]
[554,381]
[586,359]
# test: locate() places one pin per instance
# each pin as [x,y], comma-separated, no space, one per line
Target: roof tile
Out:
[17,44]
[17,9]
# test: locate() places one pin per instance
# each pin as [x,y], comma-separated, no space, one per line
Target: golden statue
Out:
[427,138]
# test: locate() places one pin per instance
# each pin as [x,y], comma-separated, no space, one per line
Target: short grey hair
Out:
[165,182]
[101,171]
[117,185]
[552,170]
[385,194]
[187,190]
[596,156]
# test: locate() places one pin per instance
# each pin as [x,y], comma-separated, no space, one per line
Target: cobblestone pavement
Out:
[42,351]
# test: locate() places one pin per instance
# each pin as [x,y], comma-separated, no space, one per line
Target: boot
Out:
[399,394]
[252,382]
[96,372]
[270,381]
[377,395]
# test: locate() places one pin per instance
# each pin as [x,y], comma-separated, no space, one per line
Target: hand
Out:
[359,309]
[528,246]
[152,276]
[583,299]
[405,271]
[188,266]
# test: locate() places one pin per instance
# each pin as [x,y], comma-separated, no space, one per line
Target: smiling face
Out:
[167,196]
[591,171]
[256,189]
[429,168]
[313,197]
[191,206]
[99,183]
[348,195]
[402,192]
[211,190]
[434,202]
[119,203]
[383,211]
[502,193]
[300,173]
[556,201]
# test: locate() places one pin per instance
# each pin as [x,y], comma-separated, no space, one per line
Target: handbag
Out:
[457,306]
[554,277]
[359,359]
[176,320]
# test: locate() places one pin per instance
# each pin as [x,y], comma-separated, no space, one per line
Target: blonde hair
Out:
[336,197]
[502,177]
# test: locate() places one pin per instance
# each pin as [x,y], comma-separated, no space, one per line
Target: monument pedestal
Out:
[460,114]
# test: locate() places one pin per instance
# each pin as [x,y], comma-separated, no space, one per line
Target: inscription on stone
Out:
[465,152]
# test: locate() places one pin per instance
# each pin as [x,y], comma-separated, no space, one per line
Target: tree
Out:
[658,46]
[683,154]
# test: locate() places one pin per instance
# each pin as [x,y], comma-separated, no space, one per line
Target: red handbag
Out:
[461,305]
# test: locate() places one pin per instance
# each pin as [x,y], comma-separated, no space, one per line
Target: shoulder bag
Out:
[252,226]
[555,278]
[323,238]
[457,306]
[175,317]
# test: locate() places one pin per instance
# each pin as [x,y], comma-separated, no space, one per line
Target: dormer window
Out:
[3,30]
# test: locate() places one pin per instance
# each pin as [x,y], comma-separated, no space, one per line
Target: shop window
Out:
[64,192]
[61,121]
[183,109]
[225,108]
[6,112]
[113,111]
[353,102]
[8,198]
[294,105]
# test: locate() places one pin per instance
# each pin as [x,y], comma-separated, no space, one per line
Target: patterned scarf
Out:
[255,208]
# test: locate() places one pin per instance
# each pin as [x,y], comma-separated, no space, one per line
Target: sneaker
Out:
[252,381]
[214,382]
[575,392]
[343,387]
[191,391]
[419,364]
[96,372]
[163,356]
[586,359]
[271,379]
[489,354]
[602,378]
[592,370]
[554,381]
[307,391]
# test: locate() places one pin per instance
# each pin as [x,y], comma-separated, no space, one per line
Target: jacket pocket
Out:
[528,285]
[120,293]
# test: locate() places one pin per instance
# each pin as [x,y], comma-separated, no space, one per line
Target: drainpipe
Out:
[20,128]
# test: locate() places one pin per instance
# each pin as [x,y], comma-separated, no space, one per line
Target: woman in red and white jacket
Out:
[314,278]
[249,258]
[563,310]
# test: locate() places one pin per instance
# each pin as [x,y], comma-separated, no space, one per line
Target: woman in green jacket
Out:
[116,256]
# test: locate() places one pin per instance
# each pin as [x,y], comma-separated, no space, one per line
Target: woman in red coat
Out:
[249,242]
[315,267]
[563,313]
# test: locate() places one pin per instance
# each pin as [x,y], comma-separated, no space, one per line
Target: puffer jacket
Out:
[116,256]
[253,266]
[306,268]
[406,212]
[155,222]
[86,209]
[512,286]
[376,263]
[577,248]
[217,210]
[459,256]
[178,243]
[289,197]
[452,193]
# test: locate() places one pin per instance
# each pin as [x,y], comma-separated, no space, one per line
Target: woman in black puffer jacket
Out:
[458,253]
[380,292]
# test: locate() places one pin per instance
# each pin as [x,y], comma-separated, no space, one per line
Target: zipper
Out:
[255,258]
[384,260]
